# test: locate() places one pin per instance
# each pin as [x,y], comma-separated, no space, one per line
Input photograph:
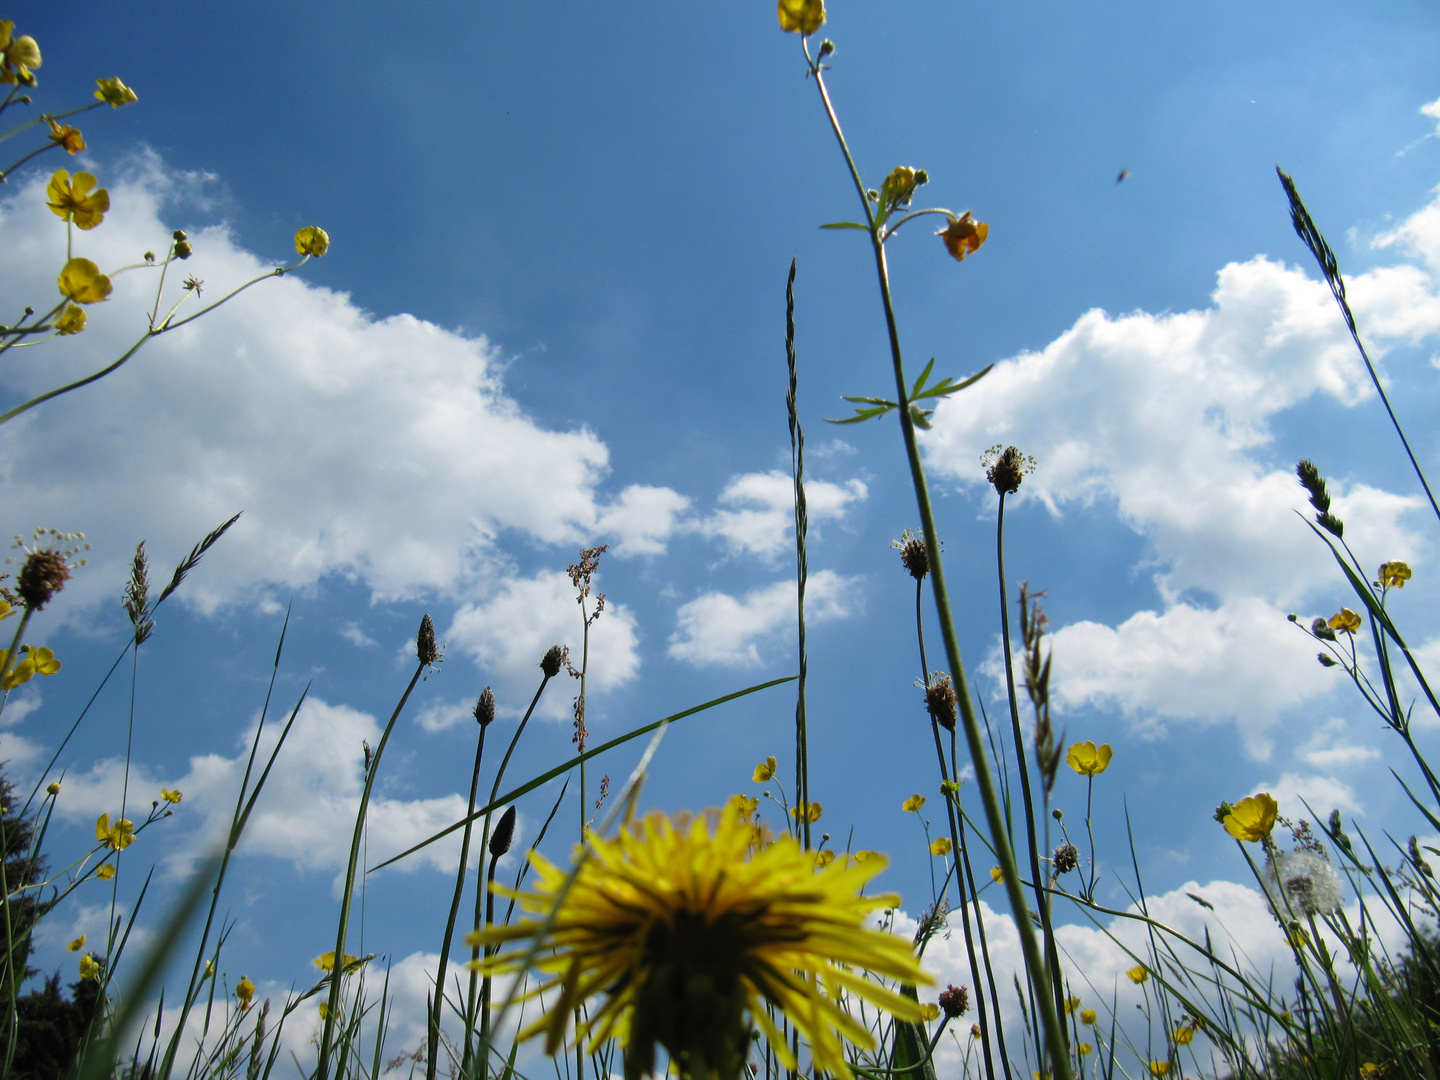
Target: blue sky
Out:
[553,315]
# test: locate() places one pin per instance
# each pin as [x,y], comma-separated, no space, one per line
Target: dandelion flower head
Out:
[1301,883]
[690,933]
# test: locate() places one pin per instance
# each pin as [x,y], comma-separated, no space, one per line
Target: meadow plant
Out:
[735,942]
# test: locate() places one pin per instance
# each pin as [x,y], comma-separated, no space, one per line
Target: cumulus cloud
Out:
[382,449]
[1166,418]
[718,629]
[759,510]
[307,812]
[508,633]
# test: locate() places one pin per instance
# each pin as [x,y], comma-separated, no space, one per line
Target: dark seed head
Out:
[1066,858]
[425,648]
[550,664]
[485,707]
[954,1001]
[43,575]
[940,701]
[503,835]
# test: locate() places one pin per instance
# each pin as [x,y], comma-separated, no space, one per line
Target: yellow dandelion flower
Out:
[89,968]
[997,875]
[114,93]
[1087,1017]
[812,812]
[312,240]
[1252,819]
[940,846]
[913,804]
[1345,620]
[117,837]
[82,281]
[801,16]
[764,771]
[71,321]
[77,199]
[171,796]
[77,944]
[244,992]
[105,871]
[685,929]
[1138,974]
[1159,1068]
[929,1012]
[1087,759]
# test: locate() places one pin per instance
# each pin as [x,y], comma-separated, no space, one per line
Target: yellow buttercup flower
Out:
[89,968]
[17,56]
[71,321]
[941,846]
[764,771]
[209,969]
[1184,1034]
[824,859]
[105,871]
[801,16]
[929,1012]
[686,930]
[82,281]
[324,1009]
[745,805]
[171,797]
[6,609]
[42,659]
[963,236]
[812,812]
[312,240]
[67,136]
[326,961]
[997,875]
[1159,1068]
[1085,1048]
[1393,575]
[77,199]
[864,855]
[1087,759]
[1071,1004]
[77,944]
[117,837]
[114,93]
[1138,974]
[1252,819]
[1344,620]
[1087,1016]
[244,992]
[1297,937]
[913,804]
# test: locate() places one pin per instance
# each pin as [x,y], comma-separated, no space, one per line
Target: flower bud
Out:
[485,707]
[503,835]
[425,648]
[183,250]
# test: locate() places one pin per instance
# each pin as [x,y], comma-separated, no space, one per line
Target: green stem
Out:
[1034,964]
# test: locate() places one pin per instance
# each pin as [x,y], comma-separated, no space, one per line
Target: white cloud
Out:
[1158,667]
[352,633]
[1167,419]
[445,714]
[719,629]
[761,517]
[1322,794]
[382,449]
[306,813]
[507,635]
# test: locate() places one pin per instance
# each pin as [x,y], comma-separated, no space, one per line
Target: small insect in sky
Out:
[1123,174]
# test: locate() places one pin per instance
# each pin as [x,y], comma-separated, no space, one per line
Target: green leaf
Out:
[911,1058]
[920,382]
[845,225]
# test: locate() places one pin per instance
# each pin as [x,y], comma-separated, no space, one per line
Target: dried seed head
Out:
[1314,483]
[425,648]
[1066,858]
[954,1001]
[940,700]
[43,575]
[1321,629]
[503,835]
[551,662]
[1006,467]
[913,555]
[485,707]
[1326,660]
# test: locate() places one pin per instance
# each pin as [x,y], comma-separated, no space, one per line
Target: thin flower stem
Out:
[802,558]
[1042,902]
[1054,1034]
[33,154]
[9,663]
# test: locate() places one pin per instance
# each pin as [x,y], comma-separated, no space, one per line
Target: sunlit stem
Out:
[1034,964]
